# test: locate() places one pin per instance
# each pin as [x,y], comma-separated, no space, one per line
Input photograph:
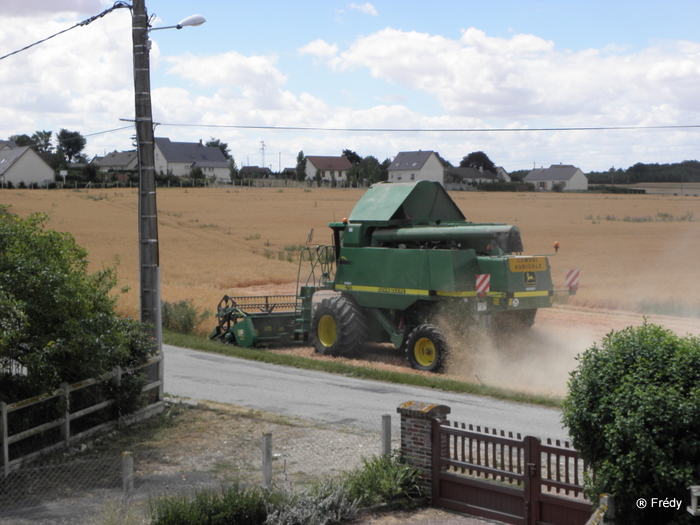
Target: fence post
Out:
[65,427]
[267,459]
[416,437]
[533,477]
[386,434]
[127,476]
[5,434]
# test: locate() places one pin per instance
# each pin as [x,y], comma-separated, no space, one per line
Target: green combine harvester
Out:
[405,263]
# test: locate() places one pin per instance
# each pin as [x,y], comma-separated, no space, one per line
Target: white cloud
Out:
[319,48]
[365,8]
[525,77]
[37,8]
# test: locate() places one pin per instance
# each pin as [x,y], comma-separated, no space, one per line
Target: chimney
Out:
[200,142]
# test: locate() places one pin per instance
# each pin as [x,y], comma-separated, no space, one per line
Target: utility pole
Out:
[262,149]
[149,265]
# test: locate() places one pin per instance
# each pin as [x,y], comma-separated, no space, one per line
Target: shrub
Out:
[181,316]
[633,411]
[58,322]
[383,479]
[324,504]
[235,504]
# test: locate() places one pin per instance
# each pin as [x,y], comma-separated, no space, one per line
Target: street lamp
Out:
[149,265]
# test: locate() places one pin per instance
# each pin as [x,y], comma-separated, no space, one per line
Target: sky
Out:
[509,78]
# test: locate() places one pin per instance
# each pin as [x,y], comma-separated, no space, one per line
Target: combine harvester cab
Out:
[407,265]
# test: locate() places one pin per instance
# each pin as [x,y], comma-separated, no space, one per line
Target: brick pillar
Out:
[416,436]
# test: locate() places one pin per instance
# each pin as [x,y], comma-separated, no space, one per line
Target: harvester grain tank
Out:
[404,264]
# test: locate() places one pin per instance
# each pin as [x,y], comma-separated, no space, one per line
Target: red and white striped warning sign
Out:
[572,279]
[483,283]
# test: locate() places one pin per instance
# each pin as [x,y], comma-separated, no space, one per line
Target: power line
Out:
[434,130]
[117,5]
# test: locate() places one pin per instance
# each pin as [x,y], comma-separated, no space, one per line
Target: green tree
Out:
[58,321]
[633,411]
[71,143]
[233,169]
[478,159]
[22,140]
[301,167]
[42,142]
[216,143]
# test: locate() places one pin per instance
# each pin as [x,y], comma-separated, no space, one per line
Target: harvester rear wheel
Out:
[339,327]
[426,348]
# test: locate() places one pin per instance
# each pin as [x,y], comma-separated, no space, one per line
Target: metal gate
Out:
[506,478]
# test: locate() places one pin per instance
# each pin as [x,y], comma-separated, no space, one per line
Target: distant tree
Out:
[371,170]
[216,143]
[353,157]
[22,140]
[196,173]
[301,167]
[478,159]
[42,142]
[71,143]
[233,169]
[518,175]
[384,175]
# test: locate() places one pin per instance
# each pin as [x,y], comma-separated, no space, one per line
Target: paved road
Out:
[332,398]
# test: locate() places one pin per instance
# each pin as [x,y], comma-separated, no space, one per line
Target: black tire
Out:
[339,327]
[426,348]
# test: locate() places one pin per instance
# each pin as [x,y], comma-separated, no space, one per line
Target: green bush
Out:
[633,412]
[383,479]
[181,317]
[57,321]
[235,504]
[322,505]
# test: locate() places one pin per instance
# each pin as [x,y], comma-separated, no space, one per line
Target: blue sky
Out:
[405,65]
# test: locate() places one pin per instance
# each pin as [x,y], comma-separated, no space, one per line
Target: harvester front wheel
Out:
[339,327]
[426,348]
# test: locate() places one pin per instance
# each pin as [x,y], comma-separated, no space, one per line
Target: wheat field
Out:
[632,250]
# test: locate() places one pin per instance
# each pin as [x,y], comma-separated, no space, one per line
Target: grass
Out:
[360,371]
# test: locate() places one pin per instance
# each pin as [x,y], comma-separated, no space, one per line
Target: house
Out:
[7,144]
[416,165]
[328,168]
[472,176]
[23,165]
[180,158]
[255,172]
[117,165]
[118,161]
[569,177]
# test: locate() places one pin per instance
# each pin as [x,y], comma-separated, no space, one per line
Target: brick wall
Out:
[416,436]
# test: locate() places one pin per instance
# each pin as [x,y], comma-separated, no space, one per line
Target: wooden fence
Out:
[507,478]
[153,370]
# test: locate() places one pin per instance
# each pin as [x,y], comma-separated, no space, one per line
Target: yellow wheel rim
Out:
[327,331]
[424,352]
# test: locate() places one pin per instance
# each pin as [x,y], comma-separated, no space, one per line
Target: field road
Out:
[331,398]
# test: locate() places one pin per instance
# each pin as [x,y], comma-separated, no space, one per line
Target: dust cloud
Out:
[536,360]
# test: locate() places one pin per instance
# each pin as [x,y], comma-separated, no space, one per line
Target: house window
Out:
[413,176]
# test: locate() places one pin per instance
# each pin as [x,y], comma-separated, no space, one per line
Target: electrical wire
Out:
[117,5]
[431,130]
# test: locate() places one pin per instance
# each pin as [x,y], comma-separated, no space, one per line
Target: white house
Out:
[416,165]
[179,158]
[327,167]
[23,164]
[570,177]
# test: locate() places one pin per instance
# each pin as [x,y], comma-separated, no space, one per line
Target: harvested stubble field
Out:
[636,253]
